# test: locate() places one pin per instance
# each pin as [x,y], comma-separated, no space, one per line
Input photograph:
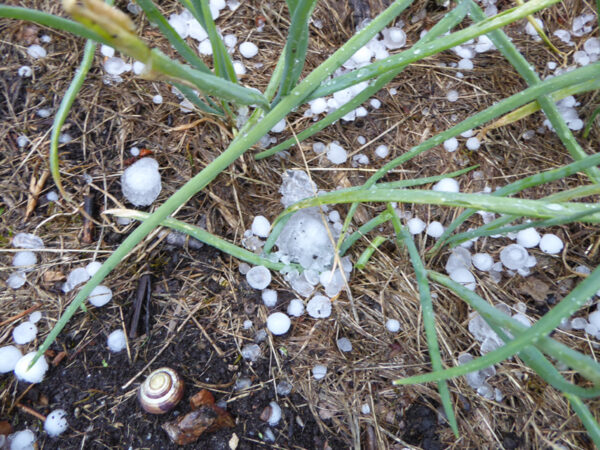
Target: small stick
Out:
[21,314]
[143,292]
[32,412]
[35,189]
[88,224]
[164,347]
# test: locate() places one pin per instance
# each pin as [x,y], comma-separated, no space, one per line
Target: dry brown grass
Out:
[203,293]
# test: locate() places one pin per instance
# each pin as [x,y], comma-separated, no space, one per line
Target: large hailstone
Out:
[258,277]
[9,355]
[514,257]
[34,374]
[278,323]
[140,182]
[56,423]
[305,240]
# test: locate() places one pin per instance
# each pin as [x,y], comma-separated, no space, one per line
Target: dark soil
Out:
[103,415]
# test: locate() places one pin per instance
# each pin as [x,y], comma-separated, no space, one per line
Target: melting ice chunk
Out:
[261,226]
[394,38]
[514,257]
[296,186]
[415,225]
[336,153]
[446,185]
[24,333]
[392,325]
[16,280]
[116,341]
[305,239]
[333,282]
[27,240]
[551,244]
[77,276]
[269,297]
[459,258]
[528,237]
[483,261]
[319,307]
[464,277]
[141,182]
[319,371]
[9,355]
[248,49]
[251,352]
[344,345]
[36,51]
[258,277]
[100,296]
[24,260]
[295,308]
[278,323]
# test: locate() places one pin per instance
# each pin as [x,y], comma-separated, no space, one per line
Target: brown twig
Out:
[30,411]
[88,222]
[35,188]
[21,314]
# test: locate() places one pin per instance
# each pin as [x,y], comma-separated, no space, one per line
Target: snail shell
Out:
[161,391]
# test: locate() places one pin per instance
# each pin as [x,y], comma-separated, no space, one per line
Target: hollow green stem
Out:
[448,21]
[502,205]
[518,186]
[585,365]
[551,320]
[404,237]
[250,135]
[415,54]
[63,112]
[205,237]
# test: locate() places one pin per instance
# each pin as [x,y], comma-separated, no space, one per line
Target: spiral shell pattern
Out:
[161,391]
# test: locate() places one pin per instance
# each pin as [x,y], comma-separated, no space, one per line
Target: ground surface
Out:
[199,299]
